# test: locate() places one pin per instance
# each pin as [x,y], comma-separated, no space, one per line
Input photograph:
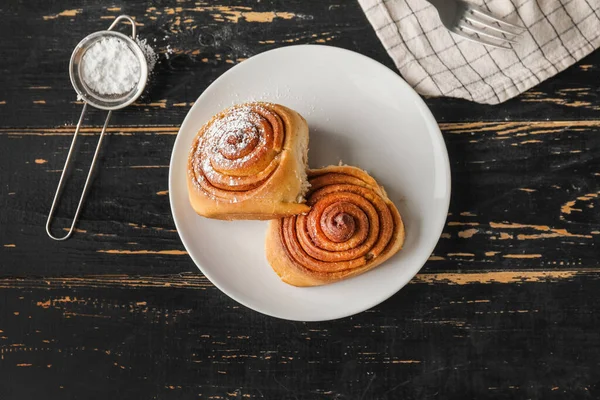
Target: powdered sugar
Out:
[168,51]
[109,67]
[230,144]
[149,54]
[235,137]
[234,133]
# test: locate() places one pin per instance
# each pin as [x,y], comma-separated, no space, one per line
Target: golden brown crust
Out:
[352,228]
[248,162]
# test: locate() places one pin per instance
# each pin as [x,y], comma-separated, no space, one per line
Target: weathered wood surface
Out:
[507,307]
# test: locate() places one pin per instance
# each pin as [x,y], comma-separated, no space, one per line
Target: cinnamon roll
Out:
[249,162]
[351,228]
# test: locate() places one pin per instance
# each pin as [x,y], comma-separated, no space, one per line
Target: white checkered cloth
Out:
[438,63]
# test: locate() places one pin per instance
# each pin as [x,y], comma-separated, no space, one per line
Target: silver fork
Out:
[476,24]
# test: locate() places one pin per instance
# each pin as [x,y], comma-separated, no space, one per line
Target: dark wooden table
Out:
[507,307]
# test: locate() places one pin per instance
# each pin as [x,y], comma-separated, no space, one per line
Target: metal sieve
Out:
[97,100]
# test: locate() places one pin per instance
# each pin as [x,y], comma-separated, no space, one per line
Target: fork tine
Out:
[482,32]
[478,20]
[477,10]
[478,40]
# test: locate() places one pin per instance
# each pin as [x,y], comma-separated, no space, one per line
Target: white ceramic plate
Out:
[358,111]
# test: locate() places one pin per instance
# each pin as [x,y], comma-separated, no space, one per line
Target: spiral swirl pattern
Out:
[350,226]
[237,151]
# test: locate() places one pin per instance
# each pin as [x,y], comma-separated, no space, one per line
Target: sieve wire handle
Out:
[64,173]
[128,18]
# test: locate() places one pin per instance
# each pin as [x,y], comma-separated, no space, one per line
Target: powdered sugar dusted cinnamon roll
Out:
[249,162]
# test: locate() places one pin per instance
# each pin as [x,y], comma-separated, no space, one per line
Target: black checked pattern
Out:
[438,63]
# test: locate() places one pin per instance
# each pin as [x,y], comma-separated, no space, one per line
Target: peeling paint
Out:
[165,252]
[558,233]
[65,13]
[567,208]
[435,258]
[505,236]
[457,223]
[494,277]
[467,233]
[507,128]
[236,13]
[522,256]
[60,300]
[553,232]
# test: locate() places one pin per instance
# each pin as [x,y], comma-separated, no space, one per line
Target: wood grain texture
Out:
[206,39]
[506,307]
[528,340]
[526,198]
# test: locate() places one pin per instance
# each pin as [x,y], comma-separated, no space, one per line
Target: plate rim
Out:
[429,119]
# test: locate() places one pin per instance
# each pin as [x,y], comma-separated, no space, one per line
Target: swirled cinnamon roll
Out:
[351,228]
[249,162]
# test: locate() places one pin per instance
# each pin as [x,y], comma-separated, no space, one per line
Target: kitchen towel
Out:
[437,63]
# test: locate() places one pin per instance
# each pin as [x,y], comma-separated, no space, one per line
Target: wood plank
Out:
[499,341]
[524,197]
[197,281]
[198,43]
